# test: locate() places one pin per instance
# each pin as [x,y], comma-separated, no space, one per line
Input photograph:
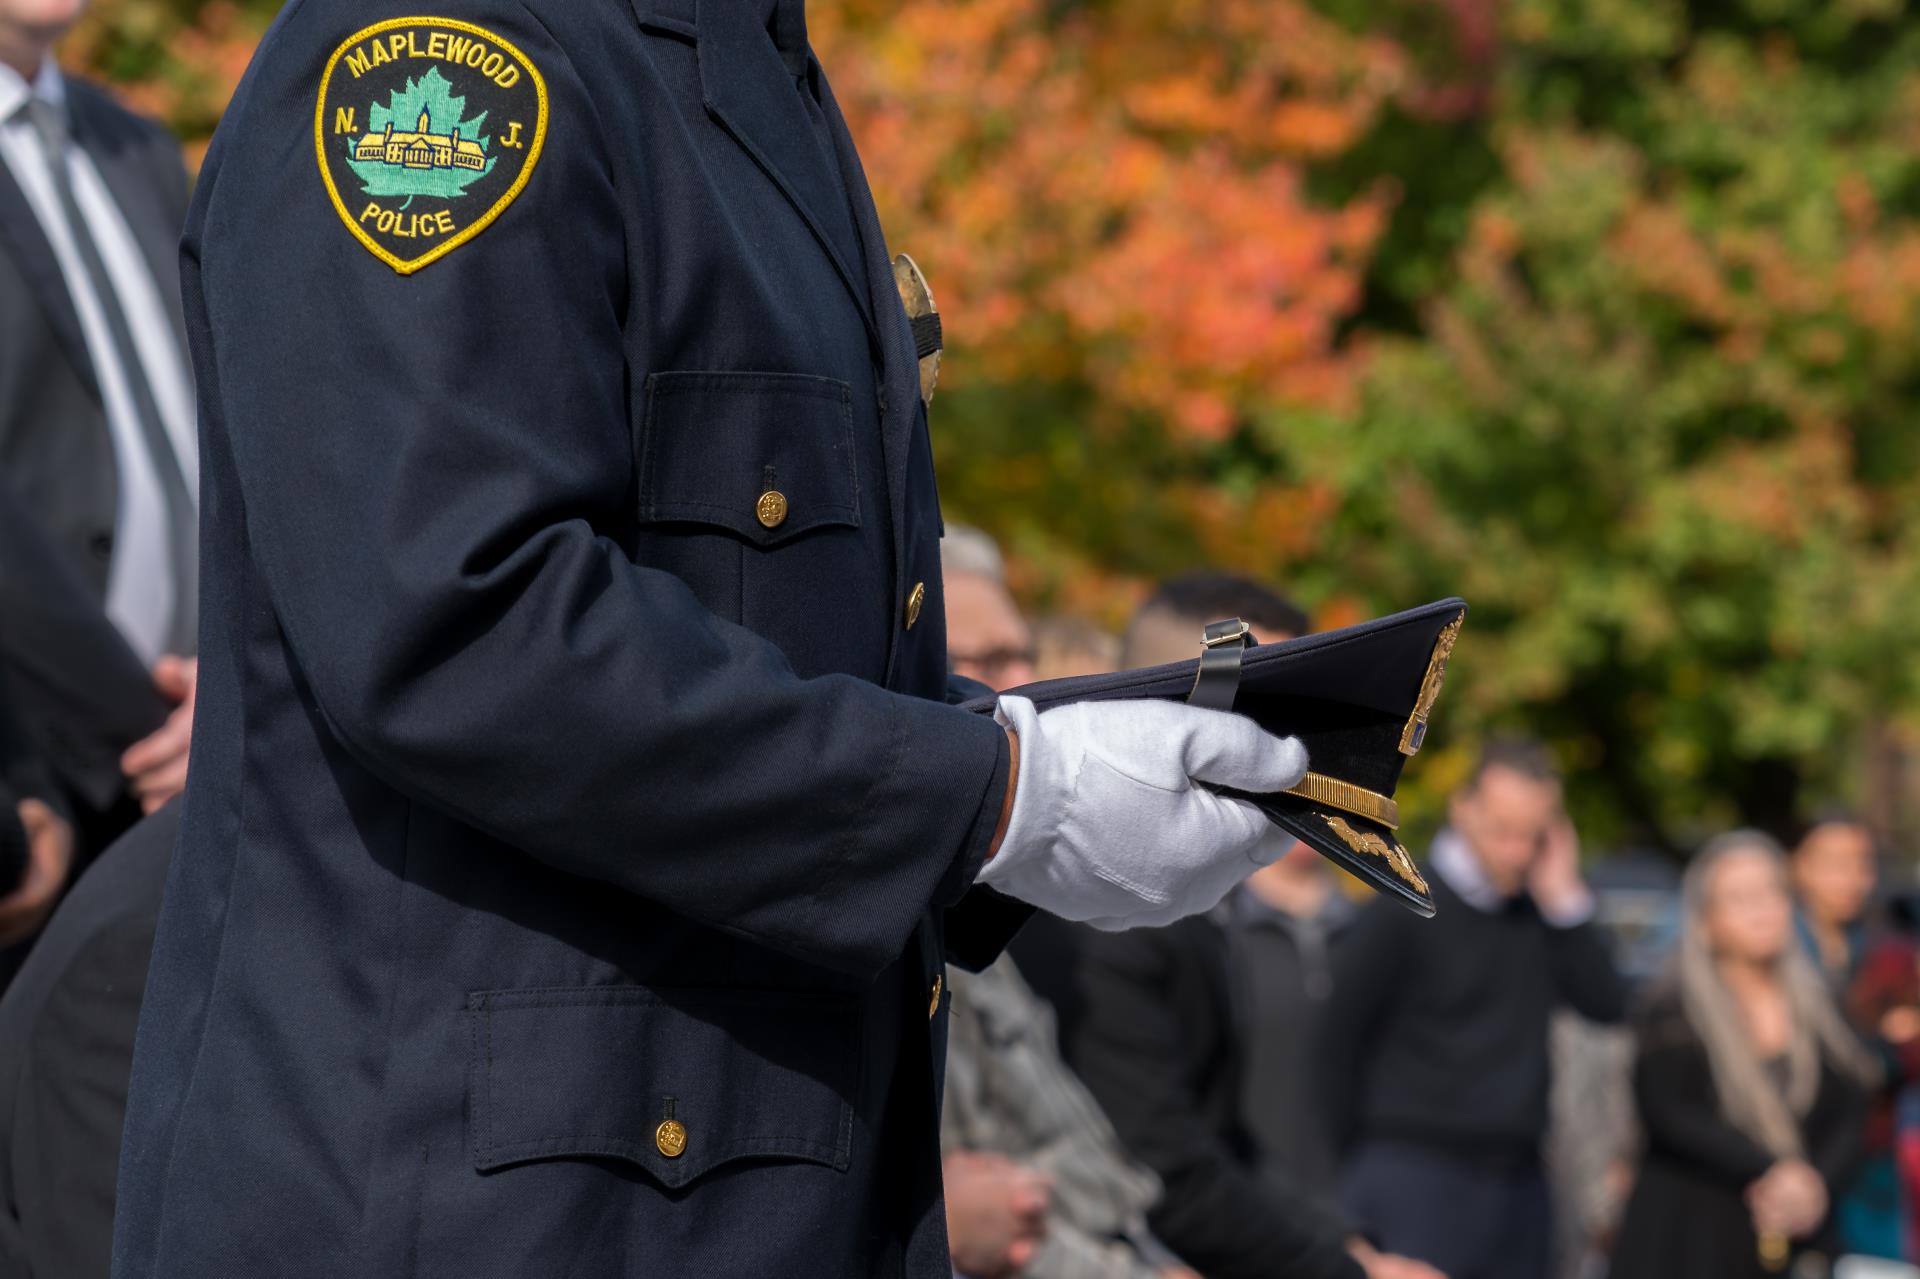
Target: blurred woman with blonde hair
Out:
[1751,1089]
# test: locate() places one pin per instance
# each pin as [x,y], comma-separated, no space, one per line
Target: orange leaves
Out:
[175,62]
[1661,254]
[1115,197]
[1223,289]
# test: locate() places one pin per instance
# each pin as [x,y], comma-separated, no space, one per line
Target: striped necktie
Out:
[182,526]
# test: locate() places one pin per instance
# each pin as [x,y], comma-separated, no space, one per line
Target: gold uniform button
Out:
[771,508]
[671,1138]
[916,600]
[933,1001]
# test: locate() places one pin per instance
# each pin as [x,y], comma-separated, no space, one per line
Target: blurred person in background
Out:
[72,698]
[1834,868]
[1879,1215]
[66,1053]
[1066,646]
[1593,1137]
[1436,1069]
[987,638]
[1274,935]
[1197,1037]
[1281,930]
[1592,1140]
[97,429]
[1037,1183]
[1750,1086]
[36,842]
[1166,627]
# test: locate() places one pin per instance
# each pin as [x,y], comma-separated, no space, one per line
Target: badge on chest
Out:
[426,130]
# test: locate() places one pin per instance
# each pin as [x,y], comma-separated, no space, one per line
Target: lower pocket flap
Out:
[598,1071]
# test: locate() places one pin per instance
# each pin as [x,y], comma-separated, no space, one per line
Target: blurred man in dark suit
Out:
[66,1050]
[1197,1039]
[73,698]
[97,431]
[36,843]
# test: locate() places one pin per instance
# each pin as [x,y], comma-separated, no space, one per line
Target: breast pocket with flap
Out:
[749,491]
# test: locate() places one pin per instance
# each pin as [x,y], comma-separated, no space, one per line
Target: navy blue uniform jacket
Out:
[541,791]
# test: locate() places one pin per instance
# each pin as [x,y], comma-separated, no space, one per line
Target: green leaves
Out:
[1635,367]
[431,99]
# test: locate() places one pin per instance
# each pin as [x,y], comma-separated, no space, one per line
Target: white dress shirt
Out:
[140,585]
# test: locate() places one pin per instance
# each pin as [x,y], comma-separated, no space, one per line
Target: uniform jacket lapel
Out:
[901,365]
[748,89]
[32,253]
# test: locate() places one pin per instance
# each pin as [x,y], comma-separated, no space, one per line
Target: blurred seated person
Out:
[36,843]
[1833,870]
[1750,1086]
[1197,1038]
[996,1213]
[987,638]
[66,1052]
[1165,628]
[1036,1182]
[1065,646]
[1053,1163]
[1593,1140]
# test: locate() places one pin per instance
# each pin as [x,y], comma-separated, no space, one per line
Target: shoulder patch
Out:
[426,129]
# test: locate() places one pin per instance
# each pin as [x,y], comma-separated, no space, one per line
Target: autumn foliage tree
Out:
[1600,315]
[1111,203]
[1659,424]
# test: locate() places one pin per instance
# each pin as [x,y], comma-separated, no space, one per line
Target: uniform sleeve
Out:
[434,469]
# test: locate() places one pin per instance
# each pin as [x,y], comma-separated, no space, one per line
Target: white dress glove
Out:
[1108,824]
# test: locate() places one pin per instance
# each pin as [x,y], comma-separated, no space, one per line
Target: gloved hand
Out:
[1109,825]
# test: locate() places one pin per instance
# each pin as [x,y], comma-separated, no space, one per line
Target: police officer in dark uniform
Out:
[579,823]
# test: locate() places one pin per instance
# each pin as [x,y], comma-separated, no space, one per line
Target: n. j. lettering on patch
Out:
[426,129]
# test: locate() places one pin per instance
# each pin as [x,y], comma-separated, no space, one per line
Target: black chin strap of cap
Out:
[1222,646]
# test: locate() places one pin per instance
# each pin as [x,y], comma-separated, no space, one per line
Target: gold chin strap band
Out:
[1348,798]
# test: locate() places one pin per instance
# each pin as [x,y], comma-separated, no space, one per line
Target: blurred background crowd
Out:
[1601,315]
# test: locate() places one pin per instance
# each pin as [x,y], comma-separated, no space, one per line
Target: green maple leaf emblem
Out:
[422,162]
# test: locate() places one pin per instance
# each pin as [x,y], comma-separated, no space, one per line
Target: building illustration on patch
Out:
[421,149]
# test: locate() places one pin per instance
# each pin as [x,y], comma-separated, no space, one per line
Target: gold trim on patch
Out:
[1348,798]
[1368,843]
[407,266]
[1415,733]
